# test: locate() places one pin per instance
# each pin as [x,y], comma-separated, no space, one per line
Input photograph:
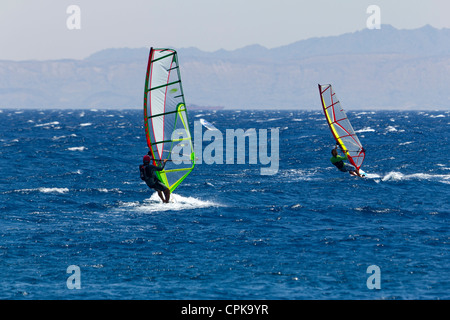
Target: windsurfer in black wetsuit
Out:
[338,161]
[148,174]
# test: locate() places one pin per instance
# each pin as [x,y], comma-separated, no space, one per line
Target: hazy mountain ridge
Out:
[386,68]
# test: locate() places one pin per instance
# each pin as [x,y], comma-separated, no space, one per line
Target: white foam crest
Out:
[442,166]
[299,174]
[365,112]
[105,190]
[207,125]
[54,190]
[77,148]
[47,124]
[373,176]
[366,129]
[398,176]
[391,129]
[45,190]
[267,120]
[176,203]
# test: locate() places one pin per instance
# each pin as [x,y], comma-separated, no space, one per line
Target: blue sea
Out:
[70,196]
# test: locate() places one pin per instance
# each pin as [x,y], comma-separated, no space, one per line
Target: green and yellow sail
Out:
[165,118]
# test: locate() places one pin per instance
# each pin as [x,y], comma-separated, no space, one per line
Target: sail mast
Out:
[165,118]
[340,126]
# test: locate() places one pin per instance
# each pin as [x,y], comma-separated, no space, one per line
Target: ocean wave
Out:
[54,123]
[398,176]
[299,174]
[177,203]
[373,176]
[442,166]
[63,137]
[268,120]
[368,209]
[43,190]
[66,190]
[391,129]
[105,190]
[77,148]
[366,129]
[365,112]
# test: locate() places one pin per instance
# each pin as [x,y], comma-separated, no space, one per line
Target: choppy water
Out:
[70,194]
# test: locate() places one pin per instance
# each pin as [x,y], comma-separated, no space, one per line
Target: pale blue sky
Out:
[31,29]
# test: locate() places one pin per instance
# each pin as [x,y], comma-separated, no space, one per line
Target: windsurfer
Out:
[148,174]
[338,161]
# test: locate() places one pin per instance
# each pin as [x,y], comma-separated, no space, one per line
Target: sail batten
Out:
[340,126]
[164,85]
[165,118]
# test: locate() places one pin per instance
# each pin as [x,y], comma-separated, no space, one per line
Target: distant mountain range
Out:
[369,69]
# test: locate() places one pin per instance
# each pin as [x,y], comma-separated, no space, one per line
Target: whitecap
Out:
[47,124]
[176,203]
[267,120]
[398,176]
[58,137]
[366,129]
[299,174]
[54,190]
[44,190]
[105,190]
[391,129]
[208,125]
[365,112]
[77,148]
[372,176]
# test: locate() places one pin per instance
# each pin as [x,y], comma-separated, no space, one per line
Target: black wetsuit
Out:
[148,174]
